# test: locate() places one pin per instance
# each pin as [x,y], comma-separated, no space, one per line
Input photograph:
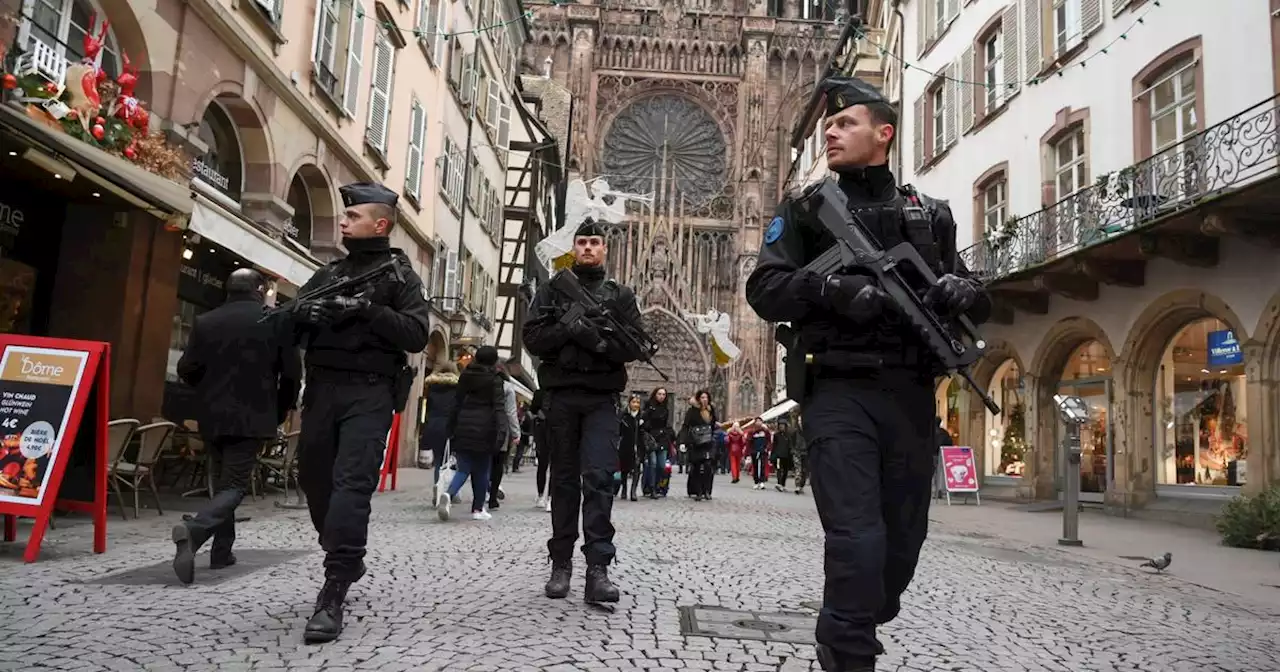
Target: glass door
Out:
[1095,439]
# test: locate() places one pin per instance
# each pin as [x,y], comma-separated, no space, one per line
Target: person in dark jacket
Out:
[630,448]
[246,374]
[541,448]
[656,425]
[440,390]
[784,443]
[477,429]
[697,434]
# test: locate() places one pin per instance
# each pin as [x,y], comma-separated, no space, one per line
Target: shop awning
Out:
[230,231]
[778,411]
[111,171]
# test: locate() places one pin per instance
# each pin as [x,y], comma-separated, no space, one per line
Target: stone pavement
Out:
[722,585]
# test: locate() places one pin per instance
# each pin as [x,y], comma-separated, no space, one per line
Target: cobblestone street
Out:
[468,596]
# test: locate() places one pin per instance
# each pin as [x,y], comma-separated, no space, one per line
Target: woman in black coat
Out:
[656,425]
[698,436]
[630,448]
[477,429]
[440,390]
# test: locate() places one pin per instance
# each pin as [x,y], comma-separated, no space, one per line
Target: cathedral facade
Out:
[688,105]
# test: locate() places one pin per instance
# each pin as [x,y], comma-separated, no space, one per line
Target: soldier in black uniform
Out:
[868,409]
[583,370]
[356,380]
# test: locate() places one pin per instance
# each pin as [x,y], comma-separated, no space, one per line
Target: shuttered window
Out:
[380,97]
[417,139]
[355,60]
[430,22]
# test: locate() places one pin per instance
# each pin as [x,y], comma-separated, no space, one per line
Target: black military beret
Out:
[589,227]
[844,92]
[359,193]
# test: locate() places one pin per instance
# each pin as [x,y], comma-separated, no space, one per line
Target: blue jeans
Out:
[477,466]
[655,463]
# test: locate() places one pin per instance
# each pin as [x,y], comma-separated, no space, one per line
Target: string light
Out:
[907,65]
[418,32]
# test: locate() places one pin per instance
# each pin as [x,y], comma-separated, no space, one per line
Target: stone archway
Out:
[1262,365]
[683,356]
[437,350]
[315,214]
[1143,354]
[1043,374]
[979,422]
[260,178]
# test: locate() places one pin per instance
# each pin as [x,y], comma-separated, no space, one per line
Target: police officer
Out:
[356,375]
[583,370]
[868,409]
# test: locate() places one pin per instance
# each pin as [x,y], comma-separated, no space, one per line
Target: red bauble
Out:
[131,152]
[10,82]
[98,132]
[99,120]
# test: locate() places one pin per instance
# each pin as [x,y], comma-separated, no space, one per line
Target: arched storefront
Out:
[1201,421]
[947,407]
[1087,374]
[1005,450]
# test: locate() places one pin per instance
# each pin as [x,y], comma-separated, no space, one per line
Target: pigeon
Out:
[1159,564]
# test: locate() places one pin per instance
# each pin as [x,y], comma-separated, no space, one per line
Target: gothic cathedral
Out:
[689,104]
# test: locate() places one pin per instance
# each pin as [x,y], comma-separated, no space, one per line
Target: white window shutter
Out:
[1009,35]
[922,28]
[1090,17]
[968,90]
[315,32]
[949,106]
[355,59]
[380,98]
[953,10]
[495,101]
[917,133]
[504,131]
[451,277]
[413,169]
[1075,27]
[1118,6]
[438,26]
[1034,46]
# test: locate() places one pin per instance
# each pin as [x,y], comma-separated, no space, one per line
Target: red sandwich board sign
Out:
[391,455]
[959,471]
[54,405]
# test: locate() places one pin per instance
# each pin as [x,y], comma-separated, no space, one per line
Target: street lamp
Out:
[456,318]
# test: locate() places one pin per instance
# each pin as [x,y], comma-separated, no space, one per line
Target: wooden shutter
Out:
[417,136]
[380,98]
[918,133]
[315,32]
[504,132]
[1009,34]
[495,101]
[922,28]
[1090,17]
[1118,6]
[968,90]
[950,107]
[451,279]
[355,60]
[953,10]
[1034,46]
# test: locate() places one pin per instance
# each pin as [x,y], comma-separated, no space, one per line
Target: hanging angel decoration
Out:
[717,325]
[592,199]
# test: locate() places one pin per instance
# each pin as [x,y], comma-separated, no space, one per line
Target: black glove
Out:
[952,295]
[310,312]
[341,308]
[584,333]
[856,297]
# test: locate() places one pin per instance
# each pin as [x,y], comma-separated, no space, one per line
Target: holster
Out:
[403,382]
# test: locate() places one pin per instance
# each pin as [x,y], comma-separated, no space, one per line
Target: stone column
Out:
[1263,459]
[270,212]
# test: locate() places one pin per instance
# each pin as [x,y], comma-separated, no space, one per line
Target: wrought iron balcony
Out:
[1225,157]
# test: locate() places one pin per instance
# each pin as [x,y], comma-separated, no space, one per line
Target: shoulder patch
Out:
[774,232]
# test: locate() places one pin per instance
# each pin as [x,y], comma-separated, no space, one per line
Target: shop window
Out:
[220,167]
[1087,375]
[63,24]
[1006,433]
[1089,360]
[299,226]
[1203,421]
[947,408]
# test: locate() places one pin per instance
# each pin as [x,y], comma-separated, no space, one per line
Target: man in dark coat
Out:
[246,374]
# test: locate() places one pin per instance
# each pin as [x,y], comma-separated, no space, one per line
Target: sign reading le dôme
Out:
[37,391]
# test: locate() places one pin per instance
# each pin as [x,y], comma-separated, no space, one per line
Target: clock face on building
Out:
[664,140]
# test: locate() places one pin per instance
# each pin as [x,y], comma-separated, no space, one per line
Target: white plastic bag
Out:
[448,465]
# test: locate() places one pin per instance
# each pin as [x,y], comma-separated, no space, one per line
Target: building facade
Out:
[1108,165]
[688,103]
[269,109]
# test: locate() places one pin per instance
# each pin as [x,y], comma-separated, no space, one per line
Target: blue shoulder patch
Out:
[774,232]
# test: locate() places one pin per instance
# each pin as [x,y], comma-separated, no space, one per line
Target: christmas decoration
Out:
[86,103]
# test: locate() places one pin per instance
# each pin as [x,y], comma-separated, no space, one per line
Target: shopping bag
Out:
[448,466]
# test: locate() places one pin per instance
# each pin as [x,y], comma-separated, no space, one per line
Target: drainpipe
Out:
[898,64]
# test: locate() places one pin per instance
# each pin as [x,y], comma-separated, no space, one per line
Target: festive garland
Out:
[98,111]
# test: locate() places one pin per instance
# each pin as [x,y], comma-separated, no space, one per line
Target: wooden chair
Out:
[119,435]
[152,439]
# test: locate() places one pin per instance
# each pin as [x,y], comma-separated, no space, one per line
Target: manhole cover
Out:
[765,626]
[247,561]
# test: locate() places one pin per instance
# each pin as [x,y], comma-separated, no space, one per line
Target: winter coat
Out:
[784,442]
[630,441]
[737,442]
[693,418]
[440,391]
[657,423]
[479,420]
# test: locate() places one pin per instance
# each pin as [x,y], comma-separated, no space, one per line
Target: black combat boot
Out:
[326,624]
[561,573]
[834,661]
[599,588]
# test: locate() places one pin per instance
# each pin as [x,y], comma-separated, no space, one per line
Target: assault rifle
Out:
[854,248]
[566,282]
[356,286]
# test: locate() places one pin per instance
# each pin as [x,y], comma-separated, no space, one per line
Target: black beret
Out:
[845,92]
[589,227]
[359,193]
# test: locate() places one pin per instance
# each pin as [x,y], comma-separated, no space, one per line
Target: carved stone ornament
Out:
[666,135]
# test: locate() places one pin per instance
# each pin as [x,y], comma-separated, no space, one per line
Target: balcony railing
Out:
[1221,158]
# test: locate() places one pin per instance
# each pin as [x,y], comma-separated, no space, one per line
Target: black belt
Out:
[844,360]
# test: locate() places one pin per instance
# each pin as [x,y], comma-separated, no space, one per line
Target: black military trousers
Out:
[870,459]
[345,420]
[582,432]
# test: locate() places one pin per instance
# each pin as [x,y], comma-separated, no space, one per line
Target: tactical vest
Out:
[907,218]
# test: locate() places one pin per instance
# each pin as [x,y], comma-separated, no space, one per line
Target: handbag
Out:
[700,434]
[448,467]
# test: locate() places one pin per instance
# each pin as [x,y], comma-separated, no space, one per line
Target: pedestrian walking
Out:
[357,379]
[697,437]
[737,444]
[511,436]
[630,448]
[246,373]
[541,448]
[583,369]
[659,436]
[477,430]
[868,403]
[784,441]
[440,391]
[800,454]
